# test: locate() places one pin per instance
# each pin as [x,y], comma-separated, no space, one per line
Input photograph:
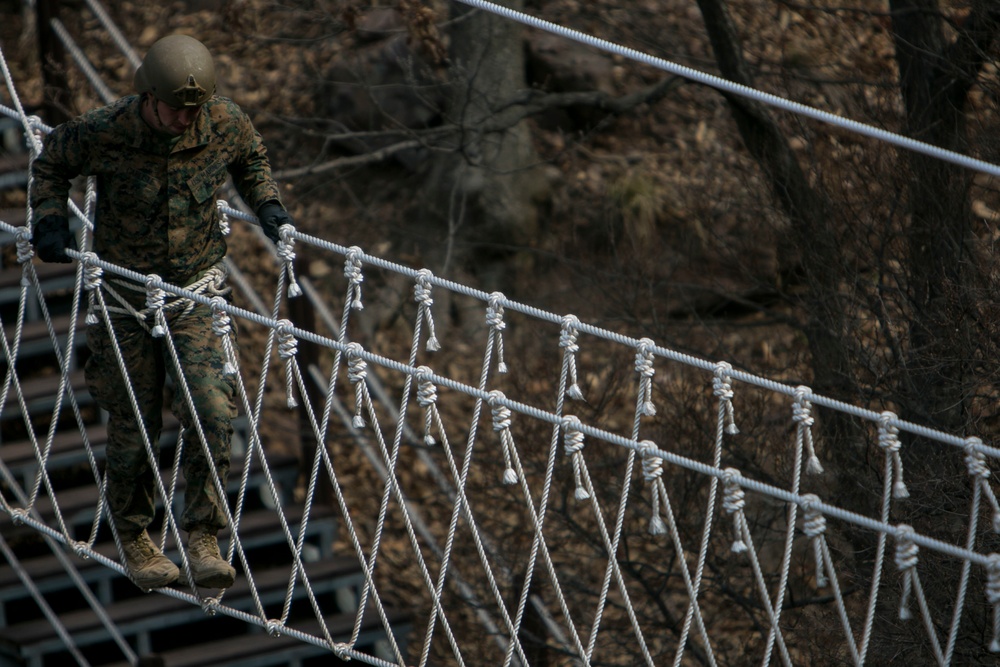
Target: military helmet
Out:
[177,70]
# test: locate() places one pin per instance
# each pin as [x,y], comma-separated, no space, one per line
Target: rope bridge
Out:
[489,495]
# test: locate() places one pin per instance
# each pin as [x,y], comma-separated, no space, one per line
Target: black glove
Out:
[272,216]
[52,236]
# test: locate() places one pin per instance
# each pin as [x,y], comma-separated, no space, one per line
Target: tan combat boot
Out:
[208,567]
[146,564]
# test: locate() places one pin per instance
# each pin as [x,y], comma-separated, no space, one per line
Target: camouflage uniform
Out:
[156,213]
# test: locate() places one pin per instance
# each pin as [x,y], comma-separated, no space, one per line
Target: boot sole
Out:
[160,582]
[215,579]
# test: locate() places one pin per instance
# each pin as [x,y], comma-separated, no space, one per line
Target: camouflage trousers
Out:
[130,476]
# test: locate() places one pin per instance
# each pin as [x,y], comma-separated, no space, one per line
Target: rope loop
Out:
[501,424]
[814,526]
[802,415]
[422,294]
[223,207]
[352,271]
[644,366]
[357,373]
[427,399]
[494,319]
[733,501]
[993,597]
[156,298]
[907,554]
[722,387]
[567,341]
[573,446]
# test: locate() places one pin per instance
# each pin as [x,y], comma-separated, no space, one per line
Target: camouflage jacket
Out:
[156,209]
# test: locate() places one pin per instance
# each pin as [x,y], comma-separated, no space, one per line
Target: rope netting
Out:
[493,516]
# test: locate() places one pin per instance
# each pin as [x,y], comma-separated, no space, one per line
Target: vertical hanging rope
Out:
[287,349]
[644,367]
[501,424]
[573,446]
[888,440]
[907,554]
[733,502]
[975,462]
[352,271]
[494,319]
[221,328]
[993,597]
[286,253]
[814,526]
[722,387]
[802,415]
[422,294]
[652,469]
[155,300]
[357,372]
[567,341]
[427,399]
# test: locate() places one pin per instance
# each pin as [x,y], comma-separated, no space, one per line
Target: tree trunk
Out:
[484,193]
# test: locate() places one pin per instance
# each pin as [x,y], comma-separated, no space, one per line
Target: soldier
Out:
[159,158]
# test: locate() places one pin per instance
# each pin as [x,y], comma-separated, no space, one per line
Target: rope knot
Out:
[733,501]
[210,606]
[814,526]
[906,558]
[802,415]
[722,387]
[18,515]
[275,627]
[155,300]
[573,446]
[80,549]
[501,424]
[25,249]
[644,366]
[567,341]
[352,271]
[494,319]
[427,399]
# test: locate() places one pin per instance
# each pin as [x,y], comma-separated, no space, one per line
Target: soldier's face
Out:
[170,120]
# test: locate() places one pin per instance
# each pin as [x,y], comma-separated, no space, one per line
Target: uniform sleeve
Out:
[61,160]
[252,171]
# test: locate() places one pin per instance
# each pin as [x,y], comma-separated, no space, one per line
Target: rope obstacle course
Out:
[388,424]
